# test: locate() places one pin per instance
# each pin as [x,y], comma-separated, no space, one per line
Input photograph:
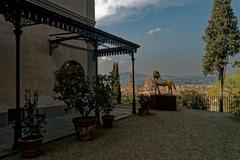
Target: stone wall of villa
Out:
[83,7]
[37,66]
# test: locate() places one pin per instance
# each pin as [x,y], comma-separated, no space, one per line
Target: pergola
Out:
[24,13]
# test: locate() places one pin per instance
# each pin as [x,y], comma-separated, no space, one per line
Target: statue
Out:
[156,83]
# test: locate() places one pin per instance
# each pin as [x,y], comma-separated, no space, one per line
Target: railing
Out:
[231,104]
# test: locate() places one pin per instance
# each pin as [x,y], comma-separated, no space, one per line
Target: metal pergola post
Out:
[96,56]
[133,85]
[97,111]
[18,32]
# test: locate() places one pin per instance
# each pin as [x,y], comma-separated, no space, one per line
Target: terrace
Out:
[26,13]
[59,125]
[183,134]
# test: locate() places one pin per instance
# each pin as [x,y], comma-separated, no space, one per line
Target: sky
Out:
[168,31]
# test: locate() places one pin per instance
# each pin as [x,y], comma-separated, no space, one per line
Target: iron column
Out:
[97,111]
[17,32]
[96,56]
[133,85]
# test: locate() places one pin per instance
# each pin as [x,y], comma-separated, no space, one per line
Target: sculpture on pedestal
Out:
[165,83]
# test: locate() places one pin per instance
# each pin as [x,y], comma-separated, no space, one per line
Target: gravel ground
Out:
[181,135]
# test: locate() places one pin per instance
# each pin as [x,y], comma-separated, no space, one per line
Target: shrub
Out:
[33,120]
[194,100]
[237,113]
[143,100]
[236,106]
[74,90]
[103,93]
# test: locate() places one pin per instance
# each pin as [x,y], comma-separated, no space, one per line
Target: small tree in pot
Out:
[32,126]
[77,93]
[105,99]
[107,118]
[144,104]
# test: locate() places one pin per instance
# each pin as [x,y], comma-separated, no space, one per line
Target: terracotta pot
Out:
[107,121]
[85,127]
[31,146]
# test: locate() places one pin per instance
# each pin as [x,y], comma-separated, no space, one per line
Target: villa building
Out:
[54,33]
[37,66]
[39,37]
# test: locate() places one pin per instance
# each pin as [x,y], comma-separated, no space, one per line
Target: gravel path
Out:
[182,135]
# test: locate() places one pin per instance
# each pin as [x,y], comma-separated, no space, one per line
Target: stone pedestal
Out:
[163,102]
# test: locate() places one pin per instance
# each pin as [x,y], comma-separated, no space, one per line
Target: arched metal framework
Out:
[23,13]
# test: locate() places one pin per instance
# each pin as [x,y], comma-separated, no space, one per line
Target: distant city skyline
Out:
[169,32]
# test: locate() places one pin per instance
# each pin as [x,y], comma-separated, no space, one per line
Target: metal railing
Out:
[231,103]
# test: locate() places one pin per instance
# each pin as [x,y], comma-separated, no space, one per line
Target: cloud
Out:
[121,62]
[159,29]
[111,11]
[152,31]
[106,59]
[185,57]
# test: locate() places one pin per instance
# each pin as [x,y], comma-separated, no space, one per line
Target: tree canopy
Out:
[222,39]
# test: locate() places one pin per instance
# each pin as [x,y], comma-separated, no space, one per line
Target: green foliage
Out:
[144,101]
[126,100]
[232,85]
[194,100]
[232,92]
[104,97]
[222,39]
[214,91]
[33,120]
[116,85]
[74,90]
[235,106]
[237,114]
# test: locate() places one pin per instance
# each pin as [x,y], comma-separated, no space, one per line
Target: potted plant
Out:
[77,93]
[105,98]
[144,104]
[107,119]
[32,126]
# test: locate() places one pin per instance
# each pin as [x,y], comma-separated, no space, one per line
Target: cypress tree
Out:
[222,39]
[118,85]
[113,76]
[114,69]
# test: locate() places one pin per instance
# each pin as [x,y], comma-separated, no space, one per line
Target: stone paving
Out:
[162,135]
[57,127]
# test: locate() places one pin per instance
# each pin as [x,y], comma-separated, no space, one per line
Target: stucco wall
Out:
[37,67]
[83,7]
